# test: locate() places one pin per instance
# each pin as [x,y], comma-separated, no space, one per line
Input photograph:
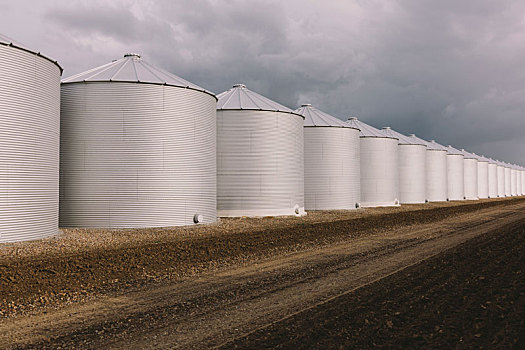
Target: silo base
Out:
[261,212]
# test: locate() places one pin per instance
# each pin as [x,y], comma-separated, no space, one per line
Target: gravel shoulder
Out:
[211,288]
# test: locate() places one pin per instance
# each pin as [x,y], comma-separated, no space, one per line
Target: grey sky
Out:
[453,70]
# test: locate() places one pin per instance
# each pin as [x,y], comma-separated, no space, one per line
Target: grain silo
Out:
[455,174]
[508,180]
[518,180]
[513,180]
[501,179]
[522,181]
[493,178]
[260,156]
[331,161]
[483,177]
[29,146]
[411,167]
[470,175]
[379,159]
[436,170]
[138,148]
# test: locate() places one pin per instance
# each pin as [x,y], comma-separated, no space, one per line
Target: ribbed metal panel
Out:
[518,182]
[412,173]
[470,176]
[29,145]
[507,182]
[136,155]
[455,177]
[501,181]
[331,168]
[513,182]
[483,179]
[436,179]
[379,174]
[260,163]
[493,180]
[523,182]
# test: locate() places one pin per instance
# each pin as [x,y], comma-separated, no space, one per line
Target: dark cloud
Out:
[446,70]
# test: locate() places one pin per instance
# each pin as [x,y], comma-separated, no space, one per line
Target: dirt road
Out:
[245,304]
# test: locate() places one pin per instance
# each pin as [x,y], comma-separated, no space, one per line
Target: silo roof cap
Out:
[367,130]
[454,151]
[313,117]
[239,97]
[403,139]
[7,41]
[132,68]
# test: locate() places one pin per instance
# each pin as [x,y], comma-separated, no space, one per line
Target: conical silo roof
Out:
[239,97]
[132,69]
[431,145]
[468,155]
[313,117]
[367,130]
[403,139]
[453,151]
[7,41]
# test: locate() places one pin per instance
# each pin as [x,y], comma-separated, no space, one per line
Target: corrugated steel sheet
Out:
[501,179]
[455,174]
[507,180]
[136,155]
[493,178]
[331,162]
[260,163]
[436,170]
[29,143]
[379,175]
[513,181]
[483,178]
[411,167]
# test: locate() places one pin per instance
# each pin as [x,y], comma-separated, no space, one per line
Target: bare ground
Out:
[218,284]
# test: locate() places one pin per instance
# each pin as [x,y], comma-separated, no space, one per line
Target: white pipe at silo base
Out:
[513,182]
[507,182]
[412,173]
[483,179]
[379,175]
[493,180]
[436,179]
[501,181]
[455,177]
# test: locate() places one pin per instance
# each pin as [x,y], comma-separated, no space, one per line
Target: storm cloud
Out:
[453,71]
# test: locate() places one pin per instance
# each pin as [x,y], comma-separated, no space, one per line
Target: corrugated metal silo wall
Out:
[493,180]
[518,182]
[507,182]
[379,174]
[471,179]
[29,142]
[136,155]
[513,182]
[483,179]
[260,163]
[455,177]
[523,182]
[501,181]
[412,173]
[436,179]
[331,168]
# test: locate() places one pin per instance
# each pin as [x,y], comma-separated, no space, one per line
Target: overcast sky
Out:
[452,70]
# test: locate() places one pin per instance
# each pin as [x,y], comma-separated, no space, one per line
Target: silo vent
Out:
[242,86]
[134,55]
[306,105]
[198,218]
